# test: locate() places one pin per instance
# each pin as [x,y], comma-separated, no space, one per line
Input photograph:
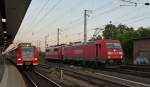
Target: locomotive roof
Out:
[56,46]
[82,43]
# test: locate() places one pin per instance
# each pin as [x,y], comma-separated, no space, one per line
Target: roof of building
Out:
[12,13]
[142,38]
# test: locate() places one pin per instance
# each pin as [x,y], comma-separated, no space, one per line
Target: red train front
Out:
[27,55]
[110,51]
[102,51]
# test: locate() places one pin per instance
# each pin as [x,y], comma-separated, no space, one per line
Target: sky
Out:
[44,17]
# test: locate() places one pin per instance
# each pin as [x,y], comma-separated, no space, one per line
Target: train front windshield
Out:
[27,52]
[113,45]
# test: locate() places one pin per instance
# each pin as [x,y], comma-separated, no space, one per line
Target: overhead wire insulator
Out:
[147,3]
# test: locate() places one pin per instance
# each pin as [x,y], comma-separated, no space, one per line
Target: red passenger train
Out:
[101,51]
[24,55]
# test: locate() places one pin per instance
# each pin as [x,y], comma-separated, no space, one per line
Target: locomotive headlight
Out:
[35,59]
[109,57]
[109,53]
[19,59]
[121,57]
[120,53]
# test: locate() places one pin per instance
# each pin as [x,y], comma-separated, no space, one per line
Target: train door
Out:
[98,46]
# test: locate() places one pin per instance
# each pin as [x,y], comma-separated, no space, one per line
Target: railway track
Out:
[135,70]
[36,79]
[140,73]
[132,70]
[96,82]
[93,80]
[145,68]
[97,77]
[112,80]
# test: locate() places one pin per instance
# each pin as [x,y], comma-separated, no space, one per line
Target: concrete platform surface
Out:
[1,72]
[12,77]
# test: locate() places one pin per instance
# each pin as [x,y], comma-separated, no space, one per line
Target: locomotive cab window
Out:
[56,49]
[47,50]
[113,45]
[109,45]
[27,52]
[117,45]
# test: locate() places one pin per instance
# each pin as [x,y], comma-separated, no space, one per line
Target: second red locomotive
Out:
[102,51]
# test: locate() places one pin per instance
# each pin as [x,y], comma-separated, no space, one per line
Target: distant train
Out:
[99,51]
[24,55]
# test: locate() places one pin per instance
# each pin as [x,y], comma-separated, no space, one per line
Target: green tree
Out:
[41,57]
[109,31]
[142,32]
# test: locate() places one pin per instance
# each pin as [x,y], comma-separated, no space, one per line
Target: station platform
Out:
[10,76]
[1,71]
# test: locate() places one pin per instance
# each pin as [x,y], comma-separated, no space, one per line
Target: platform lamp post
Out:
[5,39]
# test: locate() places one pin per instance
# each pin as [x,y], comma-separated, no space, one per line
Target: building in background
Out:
[141,50]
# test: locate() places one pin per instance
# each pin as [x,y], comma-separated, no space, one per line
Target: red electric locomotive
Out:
[101,51]
[54,52]
[25,55]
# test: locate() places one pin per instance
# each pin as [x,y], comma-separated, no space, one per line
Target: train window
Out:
[27,52]
[117,45]
[110,45]
[113,45]
[55,49]
[47,50]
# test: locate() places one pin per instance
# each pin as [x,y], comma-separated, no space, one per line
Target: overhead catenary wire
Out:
[106,11]
[67,29]
[127,16]
[93,16]
[103,13]
[24,26]
[132,18]
[34,18]
[44,17]
[111,10]
[96,15]
[64,14]
[78,21]
[31,14]
[39,20]
[69,9]
[138,20]
[46,14]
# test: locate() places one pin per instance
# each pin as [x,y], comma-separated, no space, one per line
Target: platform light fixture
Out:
[5,37]
[4,32]
[3,20]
